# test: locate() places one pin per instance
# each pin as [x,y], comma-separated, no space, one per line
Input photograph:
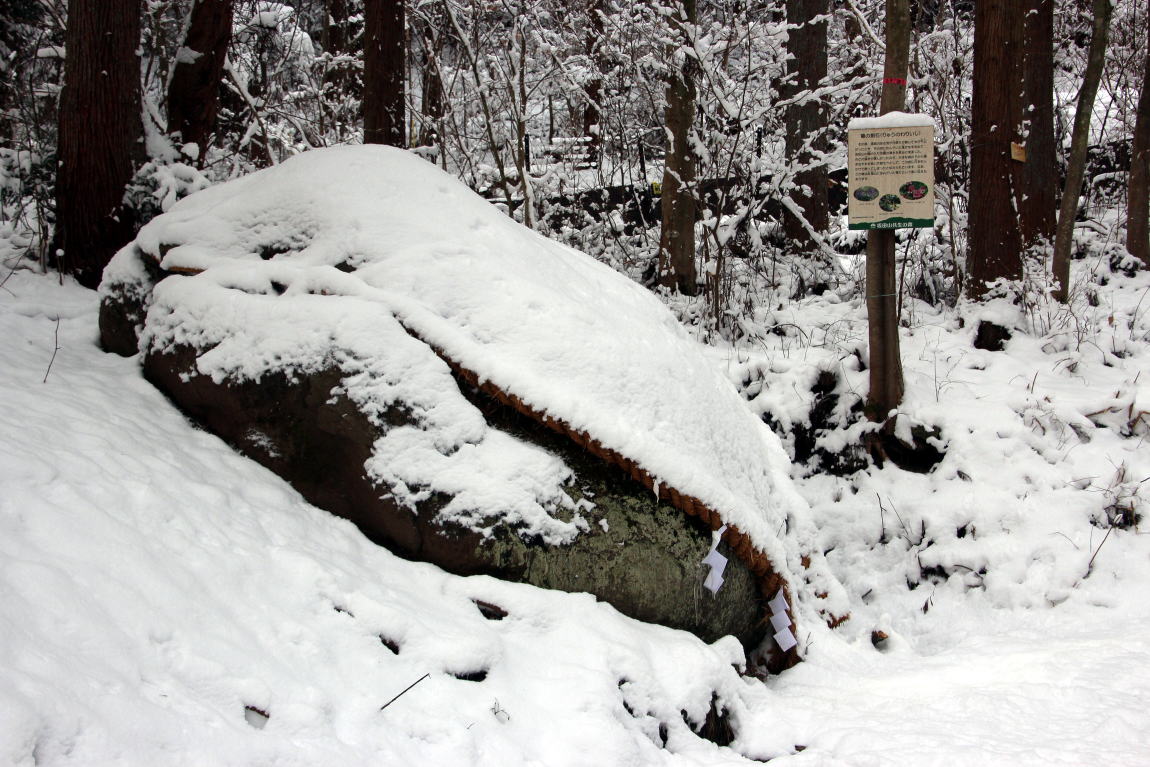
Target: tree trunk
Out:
[995,241]
[523,148]
[886,382]
[1037,177]
[384,67]
[677,233]
[432,81]
[193,93]
[1076,164]
[592,127]
[99,135]
[1138,196]
[333,38]
[806,123]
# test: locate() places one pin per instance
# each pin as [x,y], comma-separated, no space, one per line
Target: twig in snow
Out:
[881,520]
[56,343]
[500,712]
[7,277]
[901,522]
[397,697]
[1090,564]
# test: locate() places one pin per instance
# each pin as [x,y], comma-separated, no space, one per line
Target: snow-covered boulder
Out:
[468,392]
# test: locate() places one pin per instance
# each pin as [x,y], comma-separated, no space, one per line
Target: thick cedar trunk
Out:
[99,135]
[1138,193]
[384,65]
[806,122]
[1076,163]
[677,234]
[193,93]
[1038,176]
[886,383]
[995,241]
[591,112]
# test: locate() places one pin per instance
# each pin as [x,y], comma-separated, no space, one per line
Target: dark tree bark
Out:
[432,82]
[995,241]
[193,93]
[1076,163]
[1138,191]
[1037,177]
[886,381]
[384,67]
[677,233]
[592,128]
[806,122]
[336,39]
[333,37]
[516,85]
[99,135]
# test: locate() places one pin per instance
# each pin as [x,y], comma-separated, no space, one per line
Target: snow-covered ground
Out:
[153,584]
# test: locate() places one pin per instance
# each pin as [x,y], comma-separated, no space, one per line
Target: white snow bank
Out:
[153,584]
[569,336]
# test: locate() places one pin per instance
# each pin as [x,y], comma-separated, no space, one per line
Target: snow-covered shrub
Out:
[1123,499]
[159,184]
[26,203]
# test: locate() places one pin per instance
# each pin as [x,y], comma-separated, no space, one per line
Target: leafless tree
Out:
[1138,192]
[1076,162]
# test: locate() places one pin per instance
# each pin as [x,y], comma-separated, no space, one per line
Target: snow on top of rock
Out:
[381,233]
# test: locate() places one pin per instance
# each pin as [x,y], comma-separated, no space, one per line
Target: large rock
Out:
[641,555]
[466,392]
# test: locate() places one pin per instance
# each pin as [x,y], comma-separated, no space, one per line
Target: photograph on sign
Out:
[890,172]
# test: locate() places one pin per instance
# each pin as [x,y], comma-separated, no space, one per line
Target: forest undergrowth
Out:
[1017,464]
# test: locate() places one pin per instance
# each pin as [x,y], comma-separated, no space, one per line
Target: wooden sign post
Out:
[886,385]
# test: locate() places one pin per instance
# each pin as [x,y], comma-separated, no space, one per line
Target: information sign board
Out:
[890,172]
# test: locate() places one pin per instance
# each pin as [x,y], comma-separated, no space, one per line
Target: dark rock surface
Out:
[645,560]
[991,337]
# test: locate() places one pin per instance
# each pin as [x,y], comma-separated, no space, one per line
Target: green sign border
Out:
[895,223]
